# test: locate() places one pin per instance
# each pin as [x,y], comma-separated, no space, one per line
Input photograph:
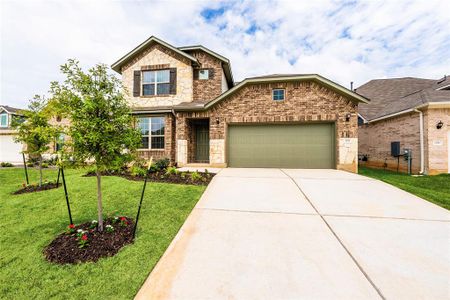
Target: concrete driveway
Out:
[305,234]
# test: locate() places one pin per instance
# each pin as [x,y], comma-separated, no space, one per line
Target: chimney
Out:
[351,86]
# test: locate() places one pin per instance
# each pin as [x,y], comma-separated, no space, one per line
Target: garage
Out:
[306,146]
[9,150]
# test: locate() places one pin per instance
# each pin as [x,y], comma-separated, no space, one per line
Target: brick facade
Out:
[205,90]
[375,141]
[305,102]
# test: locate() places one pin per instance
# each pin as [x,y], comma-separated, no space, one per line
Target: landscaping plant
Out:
[101,128]
[35,131]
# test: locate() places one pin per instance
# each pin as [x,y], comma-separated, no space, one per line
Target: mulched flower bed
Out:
[161,176]
[36,188]
[66,248]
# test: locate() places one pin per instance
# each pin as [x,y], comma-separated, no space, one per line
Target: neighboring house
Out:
[412,111]
[10,151]
[190,110]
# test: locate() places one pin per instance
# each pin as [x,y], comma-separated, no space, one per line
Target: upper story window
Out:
[4,120]
[278,94]
[156,82]
[203,74]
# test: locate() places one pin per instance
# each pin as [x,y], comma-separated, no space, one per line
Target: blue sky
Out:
[341,40]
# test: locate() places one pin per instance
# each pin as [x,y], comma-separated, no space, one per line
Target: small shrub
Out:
[196,176]
[172,171]
[45,165]
[83,240]
[93,224]
[6,165]
[30,164]
[70,229]
[138,171]
[123,221]
[160,164]
[109,228]
[183,175]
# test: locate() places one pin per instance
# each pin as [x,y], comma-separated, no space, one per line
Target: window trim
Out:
[154,83]
[150,134]
[273,94]
[7,119]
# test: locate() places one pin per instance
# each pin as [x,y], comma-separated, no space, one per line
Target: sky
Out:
[342,40]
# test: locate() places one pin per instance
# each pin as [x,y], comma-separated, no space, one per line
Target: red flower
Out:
[84,237]
[122,218]
[71,226]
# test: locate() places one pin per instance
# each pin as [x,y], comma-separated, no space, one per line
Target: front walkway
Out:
[290,234]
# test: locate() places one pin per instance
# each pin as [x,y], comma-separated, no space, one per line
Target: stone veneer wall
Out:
[375,141]
[205,90]
[305,102]
[159,55]
[436,140]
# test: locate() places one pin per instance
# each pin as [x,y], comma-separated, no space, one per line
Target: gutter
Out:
[422,148]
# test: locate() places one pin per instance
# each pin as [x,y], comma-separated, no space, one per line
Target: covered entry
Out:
[309,146]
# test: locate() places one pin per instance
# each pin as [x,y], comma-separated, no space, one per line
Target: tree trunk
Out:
[99,201]
[40,170]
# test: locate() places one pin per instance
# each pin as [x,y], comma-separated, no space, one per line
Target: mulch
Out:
[161,176]
[37,188]
[65,249]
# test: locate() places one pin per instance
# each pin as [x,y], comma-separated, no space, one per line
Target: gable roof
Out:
[391,96]
[275,78]
[9,109]
[127,57]
[225,61]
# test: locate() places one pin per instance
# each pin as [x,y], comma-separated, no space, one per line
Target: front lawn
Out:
[29,222]
[435,189]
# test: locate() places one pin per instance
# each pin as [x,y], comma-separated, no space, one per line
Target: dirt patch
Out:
[199,178]
[37,188]
[65,249]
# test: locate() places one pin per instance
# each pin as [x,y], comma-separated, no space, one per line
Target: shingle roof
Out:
[10,109]
[388,96]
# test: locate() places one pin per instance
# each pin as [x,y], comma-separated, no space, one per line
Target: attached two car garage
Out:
[309,146]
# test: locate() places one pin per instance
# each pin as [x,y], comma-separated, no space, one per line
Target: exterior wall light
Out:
[217,121]
[347,117]
[439,125]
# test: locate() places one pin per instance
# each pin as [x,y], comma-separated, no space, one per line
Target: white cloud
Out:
[342,40]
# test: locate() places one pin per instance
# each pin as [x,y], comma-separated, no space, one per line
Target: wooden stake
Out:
[142,197]
[25,166]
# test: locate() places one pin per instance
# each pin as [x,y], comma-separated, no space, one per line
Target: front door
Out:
[202,143]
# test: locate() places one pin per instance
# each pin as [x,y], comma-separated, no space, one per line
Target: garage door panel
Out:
[281,146]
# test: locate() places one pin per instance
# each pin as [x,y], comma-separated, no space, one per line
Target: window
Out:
[60,141]
[152,130]
[3,120]
[203,74]
[278,95]
[156,82]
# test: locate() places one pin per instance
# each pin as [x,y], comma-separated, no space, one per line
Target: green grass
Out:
[435,189]
[29,222]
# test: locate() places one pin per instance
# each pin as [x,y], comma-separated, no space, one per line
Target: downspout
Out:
[422,148]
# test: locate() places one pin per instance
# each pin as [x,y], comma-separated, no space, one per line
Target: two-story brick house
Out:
[190,110]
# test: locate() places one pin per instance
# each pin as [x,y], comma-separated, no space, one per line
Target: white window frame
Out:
[149,135]
[203,70]
[273,94]
[6,118]
[154,83]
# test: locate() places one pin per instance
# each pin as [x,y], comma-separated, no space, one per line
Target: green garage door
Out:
[308,146]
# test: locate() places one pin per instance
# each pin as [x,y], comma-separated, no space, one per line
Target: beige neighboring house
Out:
[10,151]
[190,110]
[412,111]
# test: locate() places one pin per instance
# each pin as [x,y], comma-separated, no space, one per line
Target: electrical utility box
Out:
[395,149]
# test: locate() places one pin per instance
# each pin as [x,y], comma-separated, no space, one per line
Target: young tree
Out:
[101,127]
[35,131]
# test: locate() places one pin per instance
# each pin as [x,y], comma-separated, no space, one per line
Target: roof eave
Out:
[118,64]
